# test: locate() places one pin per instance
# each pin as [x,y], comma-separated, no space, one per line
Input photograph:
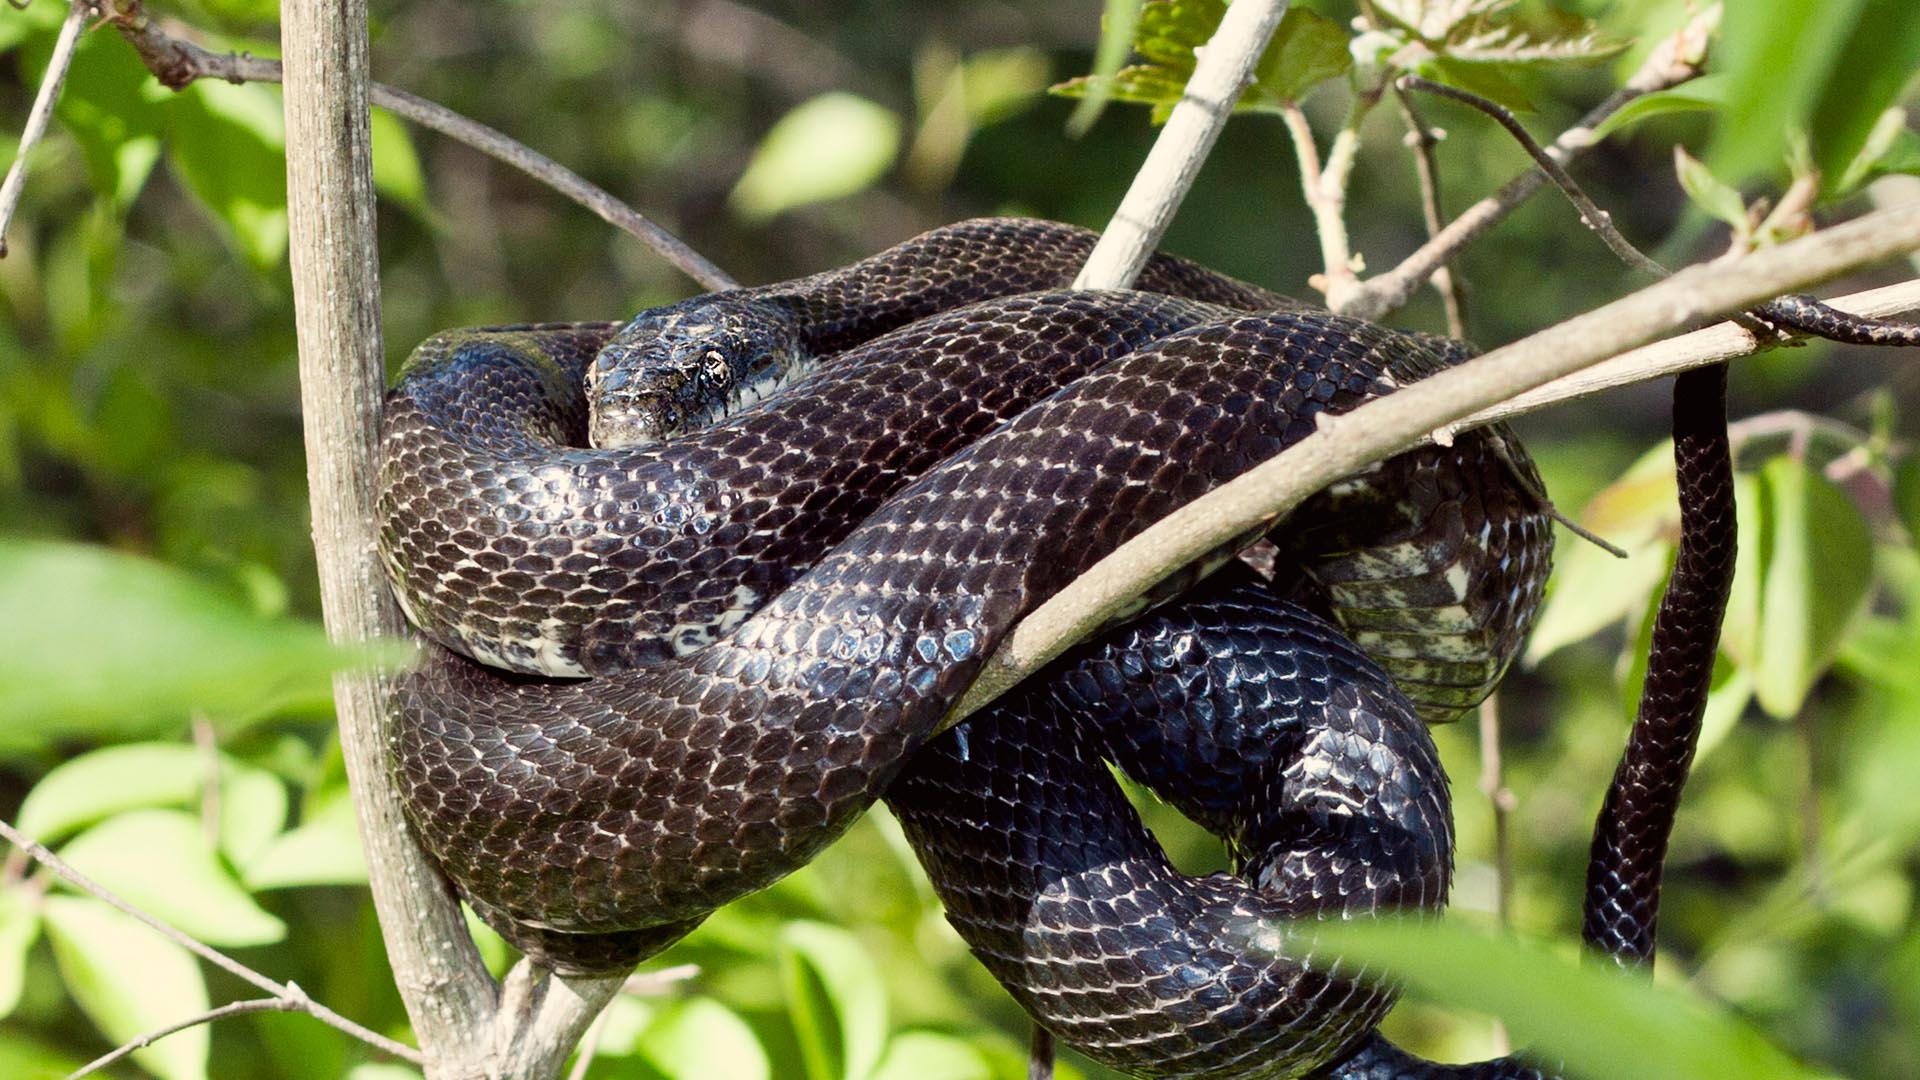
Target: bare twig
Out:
[1329,202]
[1222,70]
[177,62]
[42,111]
[1677,60]
[232,1008]
[1383,427]
[1421,141]
[281,991]
[208,747]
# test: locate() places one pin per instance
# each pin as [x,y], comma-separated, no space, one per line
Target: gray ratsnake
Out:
[671,666]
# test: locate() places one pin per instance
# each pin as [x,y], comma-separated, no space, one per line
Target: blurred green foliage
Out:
[158,569]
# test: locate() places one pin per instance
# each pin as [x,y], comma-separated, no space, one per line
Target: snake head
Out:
[679,368]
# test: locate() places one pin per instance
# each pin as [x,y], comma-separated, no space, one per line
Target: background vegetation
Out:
[156,579]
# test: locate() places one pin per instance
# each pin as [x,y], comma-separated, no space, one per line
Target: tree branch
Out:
[1431,408]
[1677,60]
[288,992]
[141,1042]
[42,111]
[177,63]
[336,294]
[1222,69]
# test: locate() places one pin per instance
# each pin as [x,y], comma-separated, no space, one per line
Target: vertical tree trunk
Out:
[336,296]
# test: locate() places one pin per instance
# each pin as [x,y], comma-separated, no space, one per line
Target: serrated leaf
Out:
[324,849]
[160,861]
[124,647]
[1708,192]
[129,981]
[101,783]
[828,147]
[1307,50]
[928,1055]
[701,1039]
[1140,84]
[1705,94]
[1816,567]
[1171,29]
[836,1000]
[1604,1024]
[19,929]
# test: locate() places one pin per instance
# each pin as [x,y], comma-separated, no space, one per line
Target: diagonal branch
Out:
[141,1042]
[42,111]
[1433,407]
[177,62]
[1222,70]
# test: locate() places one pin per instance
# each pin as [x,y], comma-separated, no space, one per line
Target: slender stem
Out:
[140,1042]
[1501,799]
[1385,426]
[1330,201]
[42,111]
[1223,69]
[177,62]
[1421,141]
[64,870]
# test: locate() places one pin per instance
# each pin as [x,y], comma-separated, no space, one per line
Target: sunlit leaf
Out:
[1815,554]
[828,147]
[129,981]
[111,108]
[396,168]
[836,1000]
[324,849]
[105,782]
[1603,1024]
[1891,147]
[120,646]
[228,143]
[1707,191]
[160,861]
[927,1055]
[19,929]
[23,1058]
[1591,588]
[701,1039]
[1875,64]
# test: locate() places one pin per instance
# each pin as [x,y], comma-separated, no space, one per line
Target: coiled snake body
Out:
[807,587]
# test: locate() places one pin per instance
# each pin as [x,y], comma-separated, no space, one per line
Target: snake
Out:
[780,606]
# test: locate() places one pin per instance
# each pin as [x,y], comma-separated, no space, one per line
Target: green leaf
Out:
[1876,63]
[23,1058]
[1778,58]
[396,168]
[1307,50]
[109,105]
[1591,589]
[228,143]
[32,20]
[1814,553]
[1708,192]
[160,861]
[1891,147]
[1139,84]
[1603,1023]
[1117,28]
[836,1000]
[1705,94]
[828,147]
[121,646]
[927,1055]
[105,782]
[1906,497]
[129,981]
[701,1039]
[19,929]
[1492,81]
[324,849]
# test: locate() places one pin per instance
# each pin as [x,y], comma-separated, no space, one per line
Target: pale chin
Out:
[619,431]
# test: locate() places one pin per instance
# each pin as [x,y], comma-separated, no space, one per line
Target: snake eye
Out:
[717,370]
